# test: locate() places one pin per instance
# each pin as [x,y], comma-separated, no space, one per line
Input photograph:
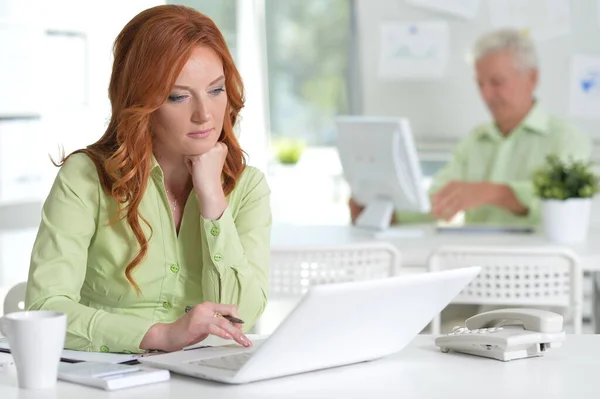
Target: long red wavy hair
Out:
[149,54]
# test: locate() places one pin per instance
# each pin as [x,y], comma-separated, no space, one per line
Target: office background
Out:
[303,61]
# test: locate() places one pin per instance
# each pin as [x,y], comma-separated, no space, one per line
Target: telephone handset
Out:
[531,319]
[506,334]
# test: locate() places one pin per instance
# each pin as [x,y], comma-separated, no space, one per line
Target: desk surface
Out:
[420,370]
[416,249]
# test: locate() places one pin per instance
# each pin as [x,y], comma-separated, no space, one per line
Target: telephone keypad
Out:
[465,331]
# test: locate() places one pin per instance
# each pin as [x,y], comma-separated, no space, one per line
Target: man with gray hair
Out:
[490,175]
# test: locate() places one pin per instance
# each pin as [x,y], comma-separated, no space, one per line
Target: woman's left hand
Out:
[206,171]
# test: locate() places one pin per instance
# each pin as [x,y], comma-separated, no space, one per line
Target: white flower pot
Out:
[566,221]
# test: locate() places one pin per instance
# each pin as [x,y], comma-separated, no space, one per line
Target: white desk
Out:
[416,250]
[419,371]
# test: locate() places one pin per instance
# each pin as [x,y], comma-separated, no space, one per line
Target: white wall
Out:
[25,170]
[100,21]
[451,107]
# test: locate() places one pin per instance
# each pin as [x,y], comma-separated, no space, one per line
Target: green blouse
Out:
[78,260]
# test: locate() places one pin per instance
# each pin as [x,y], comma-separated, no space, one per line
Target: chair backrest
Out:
[15,298]
[515,276]
[294,270]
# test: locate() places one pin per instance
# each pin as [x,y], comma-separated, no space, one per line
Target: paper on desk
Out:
[399,232]
[121,357]
[462,8]
[413,50]
[544,19]
[87,356]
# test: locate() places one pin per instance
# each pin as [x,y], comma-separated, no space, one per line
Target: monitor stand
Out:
[377,217]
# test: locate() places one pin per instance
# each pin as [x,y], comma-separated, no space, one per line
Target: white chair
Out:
[294,270]
[532,277]
[14,301]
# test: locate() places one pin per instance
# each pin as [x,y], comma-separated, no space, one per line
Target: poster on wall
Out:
[413,50]
[585,86]
[544,19]
[462,8]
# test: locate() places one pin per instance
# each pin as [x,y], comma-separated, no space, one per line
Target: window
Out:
[299,65]
[222,12]
[312,73]
[310,51]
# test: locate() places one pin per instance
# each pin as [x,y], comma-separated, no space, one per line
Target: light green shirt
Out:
[79,259]
[487,155]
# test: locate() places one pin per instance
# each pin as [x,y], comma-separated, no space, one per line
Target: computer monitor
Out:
[380,163]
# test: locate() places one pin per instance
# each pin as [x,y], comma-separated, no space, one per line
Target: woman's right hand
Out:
[194,327]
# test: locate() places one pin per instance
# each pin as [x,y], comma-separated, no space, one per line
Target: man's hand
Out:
[355,209]
[458,196]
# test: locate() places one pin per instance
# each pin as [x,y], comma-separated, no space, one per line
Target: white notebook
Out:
[84,356]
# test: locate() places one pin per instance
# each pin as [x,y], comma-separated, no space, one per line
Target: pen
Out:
[62,359]
[197,347]
[234,319]
[230,318]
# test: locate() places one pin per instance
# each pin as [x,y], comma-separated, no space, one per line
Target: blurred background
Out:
[303,62]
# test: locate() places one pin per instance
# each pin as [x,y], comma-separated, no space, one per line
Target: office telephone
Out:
[506,334]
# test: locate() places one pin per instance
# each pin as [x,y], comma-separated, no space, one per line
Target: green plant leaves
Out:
[288,151]
[561,180]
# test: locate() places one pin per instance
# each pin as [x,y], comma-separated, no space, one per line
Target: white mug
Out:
[36,339]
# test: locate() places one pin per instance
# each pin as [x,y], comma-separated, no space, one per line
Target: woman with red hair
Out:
[154,233]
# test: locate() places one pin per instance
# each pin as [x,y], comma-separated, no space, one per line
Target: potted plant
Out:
[288,151]
[566,189]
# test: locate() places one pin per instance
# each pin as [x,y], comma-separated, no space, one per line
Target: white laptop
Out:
[333,325]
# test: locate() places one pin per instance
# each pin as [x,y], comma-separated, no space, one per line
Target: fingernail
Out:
[228,336]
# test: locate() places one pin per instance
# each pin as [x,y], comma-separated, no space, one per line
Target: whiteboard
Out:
[448,108]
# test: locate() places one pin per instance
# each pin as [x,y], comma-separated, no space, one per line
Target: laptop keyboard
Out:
[231,362]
